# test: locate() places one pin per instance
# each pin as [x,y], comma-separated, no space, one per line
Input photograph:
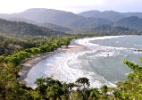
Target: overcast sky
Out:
[76,6]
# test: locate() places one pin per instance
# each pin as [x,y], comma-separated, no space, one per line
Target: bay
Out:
[100,60]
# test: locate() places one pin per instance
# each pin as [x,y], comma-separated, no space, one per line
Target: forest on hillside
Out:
[15,49]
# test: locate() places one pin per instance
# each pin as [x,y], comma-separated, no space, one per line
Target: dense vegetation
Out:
[102,30]
[17,27]
[132,22]
[50,89]
[110,15]
[10,88]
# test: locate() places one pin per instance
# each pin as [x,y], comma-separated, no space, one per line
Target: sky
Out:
[76,6]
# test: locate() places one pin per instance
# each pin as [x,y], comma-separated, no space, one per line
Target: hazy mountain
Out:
[138,14]
[62,18]
[88,23]
[55,27]
[47,25]
[48,16]
[110,15]
[67,21]
[113,30]
[14,27]
[132,22]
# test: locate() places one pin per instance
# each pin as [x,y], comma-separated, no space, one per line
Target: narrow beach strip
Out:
[27,65]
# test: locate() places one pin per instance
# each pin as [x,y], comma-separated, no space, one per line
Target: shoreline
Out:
[62,70]
[30,63]
[27,65]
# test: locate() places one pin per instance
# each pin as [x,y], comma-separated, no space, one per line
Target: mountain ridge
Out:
[57,17]
[132,22]
[16,27]
[73,23]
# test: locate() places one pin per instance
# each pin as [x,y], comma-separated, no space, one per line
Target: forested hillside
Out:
[110,15]
[132,22]
[14,27]
[103,30]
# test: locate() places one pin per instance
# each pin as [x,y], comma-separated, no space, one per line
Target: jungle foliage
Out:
[50,89]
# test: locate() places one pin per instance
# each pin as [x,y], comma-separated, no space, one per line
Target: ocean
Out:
[101,61]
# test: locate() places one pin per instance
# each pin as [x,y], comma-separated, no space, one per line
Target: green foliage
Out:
[84,82]
[134,67]
[132,22]
[104,89]
[23,28]
[50,89]
[141,59]
[10,88]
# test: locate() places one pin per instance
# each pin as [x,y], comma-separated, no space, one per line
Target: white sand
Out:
[33,61]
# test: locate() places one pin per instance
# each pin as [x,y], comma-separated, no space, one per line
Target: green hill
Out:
[14,27]
[110,15]
[112,30]
[132,22]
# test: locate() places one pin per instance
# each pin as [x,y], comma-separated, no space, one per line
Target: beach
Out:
[87,57]
[72,48]
[29,64]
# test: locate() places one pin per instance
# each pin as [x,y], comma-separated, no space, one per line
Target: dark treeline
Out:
[50,89]
[9,43]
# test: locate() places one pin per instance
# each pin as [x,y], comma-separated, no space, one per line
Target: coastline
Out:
[59,66]
[29,64]
[57,72]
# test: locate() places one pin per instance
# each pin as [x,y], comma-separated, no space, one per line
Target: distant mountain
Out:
[84,22]
[41,15]
[14,27]
[60,18]
[138,14]
[47,25]
[88,23]
[132,22]
[113,30]
[110,15]
[55,27]
[128,20]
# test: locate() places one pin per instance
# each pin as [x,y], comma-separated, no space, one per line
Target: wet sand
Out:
[27,65]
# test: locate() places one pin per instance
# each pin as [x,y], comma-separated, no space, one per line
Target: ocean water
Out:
[101,62]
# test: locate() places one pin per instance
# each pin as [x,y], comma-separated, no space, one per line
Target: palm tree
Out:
[50,82]
[84,82]
[40,82]
[53,92]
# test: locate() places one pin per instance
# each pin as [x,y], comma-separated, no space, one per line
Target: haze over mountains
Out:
[90,21]
[23,28]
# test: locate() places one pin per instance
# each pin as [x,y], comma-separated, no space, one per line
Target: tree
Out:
[40,82]
[84,82]
[53,92]
[104,89]
[94,94]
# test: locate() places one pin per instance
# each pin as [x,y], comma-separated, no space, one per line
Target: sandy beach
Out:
[27,65]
